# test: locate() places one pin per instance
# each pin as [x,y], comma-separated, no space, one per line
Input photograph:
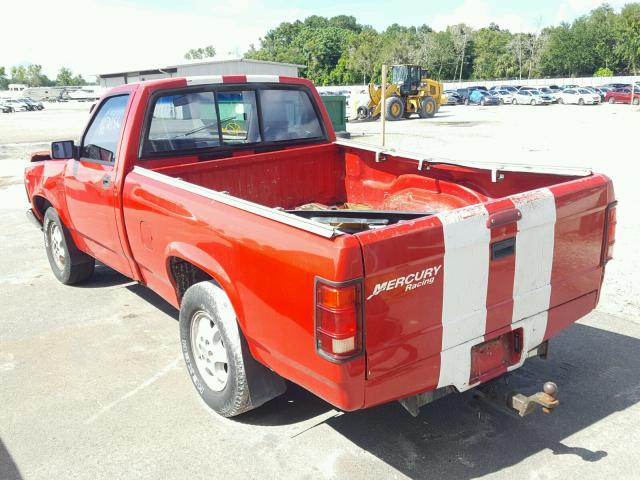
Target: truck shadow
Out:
[8,468]
[463,436]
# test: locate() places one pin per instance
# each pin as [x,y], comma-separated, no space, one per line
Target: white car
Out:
[505,96]
[18,105]
[579,96]
[531,97]
[549,92]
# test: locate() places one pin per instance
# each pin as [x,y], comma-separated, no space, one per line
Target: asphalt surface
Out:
[93,385]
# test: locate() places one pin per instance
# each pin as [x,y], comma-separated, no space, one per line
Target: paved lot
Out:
[92,384]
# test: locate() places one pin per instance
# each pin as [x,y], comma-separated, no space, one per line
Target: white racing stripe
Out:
[534,253]
[204,80]
[263,79]
[464,298]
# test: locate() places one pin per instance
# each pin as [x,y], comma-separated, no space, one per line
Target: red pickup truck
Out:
[363,274]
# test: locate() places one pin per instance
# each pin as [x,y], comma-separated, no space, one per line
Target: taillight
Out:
[338,320]
[610,238]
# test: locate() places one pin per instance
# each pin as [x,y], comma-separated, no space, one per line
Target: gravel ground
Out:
[92,384]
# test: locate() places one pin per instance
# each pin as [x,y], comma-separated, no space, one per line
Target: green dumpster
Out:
[336,106]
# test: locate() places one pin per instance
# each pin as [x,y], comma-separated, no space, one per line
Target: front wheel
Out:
[612,100]
[220,365]
[428,107]
[533,102]
[560,100]
[580,101]
[394,108]
[636,101]
[515,102]
[68,264]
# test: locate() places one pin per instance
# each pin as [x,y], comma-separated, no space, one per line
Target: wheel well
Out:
[185,274]
[41,205]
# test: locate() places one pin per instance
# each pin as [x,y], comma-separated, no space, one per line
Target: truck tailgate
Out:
[437,286]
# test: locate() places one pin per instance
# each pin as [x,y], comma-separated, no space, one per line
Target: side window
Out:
[101,140]
[287,115]
[238,117]
[184,121]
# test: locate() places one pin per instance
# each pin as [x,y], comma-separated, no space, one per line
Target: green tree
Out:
[4,81]
[200,53]
[603,72]
[489,47]
[18,74]
[628,32]
[65,77]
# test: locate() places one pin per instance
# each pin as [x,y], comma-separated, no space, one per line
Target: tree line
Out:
[339,50]
[32,76]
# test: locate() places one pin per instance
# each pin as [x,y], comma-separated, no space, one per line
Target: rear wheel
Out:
[560,100]
[515,102]
[68,264]
[482,102]
[580,101]
[363,113]
[428,107]
[611,100]
[636,101]
[223,371]
[533,102]
[394,108]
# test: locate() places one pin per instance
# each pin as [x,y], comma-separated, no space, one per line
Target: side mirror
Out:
[62,150]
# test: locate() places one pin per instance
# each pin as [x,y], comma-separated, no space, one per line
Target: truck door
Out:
[90,184]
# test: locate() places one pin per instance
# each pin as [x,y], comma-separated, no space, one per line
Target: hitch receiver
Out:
[523,404]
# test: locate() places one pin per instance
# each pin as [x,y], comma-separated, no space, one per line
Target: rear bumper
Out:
[33,219]
[423,375]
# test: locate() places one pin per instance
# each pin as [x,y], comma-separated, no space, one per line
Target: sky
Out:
[102,36]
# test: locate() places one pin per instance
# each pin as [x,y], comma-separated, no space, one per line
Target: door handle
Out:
[106,181]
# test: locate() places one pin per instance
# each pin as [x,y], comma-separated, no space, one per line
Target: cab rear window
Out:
[192,121]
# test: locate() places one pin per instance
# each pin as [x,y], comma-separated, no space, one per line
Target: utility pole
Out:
[383,100]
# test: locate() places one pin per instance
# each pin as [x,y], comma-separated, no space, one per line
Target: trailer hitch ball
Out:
[550,389]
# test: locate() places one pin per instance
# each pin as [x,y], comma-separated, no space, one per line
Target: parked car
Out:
[531,97]
[579,96]
[464,94]
[453,97]
[280,259]
[33,104]
[504,95]
[5,107]
[622,95]
[550,93]
[483,97]
[617,85]
[18,105]
[564,87]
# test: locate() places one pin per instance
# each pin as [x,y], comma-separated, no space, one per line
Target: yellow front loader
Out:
[410,91]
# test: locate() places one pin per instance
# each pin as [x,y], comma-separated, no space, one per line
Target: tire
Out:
[515,102]
[482,102]
[611,100]
[636,101]
[580,101]
[221,368]
[502,101]
[560,101]
[393,108]
[68,264]
[533,102]
[466,101]
[428,107]
[363,113]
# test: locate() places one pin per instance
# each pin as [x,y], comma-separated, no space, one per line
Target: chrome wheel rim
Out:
[57,246]
[207,348]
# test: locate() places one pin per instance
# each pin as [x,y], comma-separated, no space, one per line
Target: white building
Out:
[241,66]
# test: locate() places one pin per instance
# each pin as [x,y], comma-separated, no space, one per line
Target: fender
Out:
[205,262]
